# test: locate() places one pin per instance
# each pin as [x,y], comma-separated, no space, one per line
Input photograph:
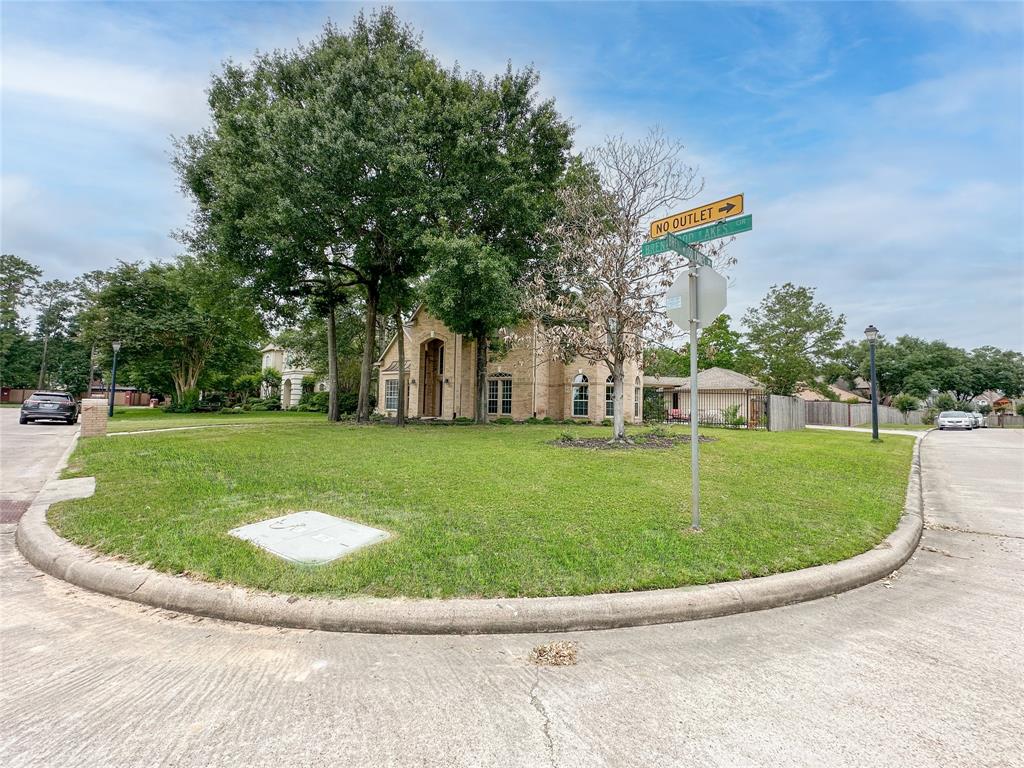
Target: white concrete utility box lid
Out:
[309,538]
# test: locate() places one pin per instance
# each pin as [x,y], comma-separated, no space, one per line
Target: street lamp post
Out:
[872,334]
[113,378]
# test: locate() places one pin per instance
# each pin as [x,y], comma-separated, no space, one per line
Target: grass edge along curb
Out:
[58,557]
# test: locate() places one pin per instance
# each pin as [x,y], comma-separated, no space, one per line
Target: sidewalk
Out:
[900,432]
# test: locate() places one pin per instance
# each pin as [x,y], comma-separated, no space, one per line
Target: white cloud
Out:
[159,95]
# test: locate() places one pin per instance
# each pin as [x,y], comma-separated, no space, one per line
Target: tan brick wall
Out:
[540,385]
[94,416]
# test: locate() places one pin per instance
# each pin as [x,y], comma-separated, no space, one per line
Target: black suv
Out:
[50,405]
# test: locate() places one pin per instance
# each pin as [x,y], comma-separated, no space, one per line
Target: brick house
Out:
[292,374]
[524,382]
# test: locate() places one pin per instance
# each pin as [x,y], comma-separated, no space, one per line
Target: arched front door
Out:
[432,377]
[286,394]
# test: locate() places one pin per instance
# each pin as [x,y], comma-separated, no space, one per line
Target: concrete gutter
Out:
[82,567]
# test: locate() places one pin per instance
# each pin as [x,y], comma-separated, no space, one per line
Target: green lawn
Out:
[486,511]
[134,419]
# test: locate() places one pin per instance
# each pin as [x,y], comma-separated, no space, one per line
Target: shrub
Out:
[348,402]
[929,415]
[464,420]
[547,420]
[607,422]
[658,431]
[533,420]
[273,403]
[503,420]
[314,401]
[945,402]
[187,403]
[566,437]
[1020,409]
[248,385]
[904,403]
[731,416]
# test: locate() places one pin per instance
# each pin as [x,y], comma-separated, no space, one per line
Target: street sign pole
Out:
[694,441]
[703,286]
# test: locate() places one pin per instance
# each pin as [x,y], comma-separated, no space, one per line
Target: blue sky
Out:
[879,144]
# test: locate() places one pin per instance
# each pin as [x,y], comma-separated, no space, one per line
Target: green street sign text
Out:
[679,241]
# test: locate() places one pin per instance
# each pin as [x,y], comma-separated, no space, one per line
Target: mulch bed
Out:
[639,441]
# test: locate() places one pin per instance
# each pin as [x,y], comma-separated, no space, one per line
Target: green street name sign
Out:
[680,241]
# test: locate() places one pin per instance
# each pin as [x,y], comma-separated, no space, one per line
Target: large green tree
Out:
[320,172]
[501,179]
[792,337]
[18,353]
[56,304]
[718,346]
[180,325]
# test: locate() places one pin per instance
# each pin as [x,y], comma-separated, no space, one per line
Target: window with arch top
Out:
[580,395]
[638,395]
[609,396]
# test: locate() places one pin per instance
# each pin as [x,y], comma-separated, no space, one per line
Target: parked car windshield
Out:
[952,415]
[50,397]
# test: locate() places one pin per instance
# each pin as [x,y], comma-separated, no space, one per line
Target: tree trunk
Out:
[619,395]
[400,416]
[92,370]
[332,364]
[363,409]
[481,377]
[42,365]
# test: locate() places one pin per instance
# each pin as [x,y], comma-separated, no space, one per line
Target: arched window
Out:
[580,395]
[609,396]
[638,396]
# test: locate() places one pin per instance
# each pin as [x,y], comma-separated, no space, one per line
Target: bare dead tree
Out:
[600,298]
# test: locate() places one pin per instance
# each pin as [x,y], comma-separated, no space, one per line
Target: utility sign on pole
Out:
[697,296]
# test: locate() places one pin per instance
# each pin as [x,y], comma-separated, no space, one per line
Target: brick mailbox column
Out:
[94,416]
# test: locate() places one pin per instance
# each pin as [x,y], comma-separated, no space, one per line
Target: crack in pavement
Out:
[955,529]
[545,720]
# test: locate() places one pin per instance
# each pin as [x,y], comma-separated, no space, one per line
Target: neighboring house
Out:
[1003,404]
[525,382]
[721,392]
[281,360]
[989,397]
[845,396]
[860,387]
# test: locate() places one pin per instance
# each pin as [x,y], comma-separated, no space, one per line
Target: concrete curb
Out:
[70,562]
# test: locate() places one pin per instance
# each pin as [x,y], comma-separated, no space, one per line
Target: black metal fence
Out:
[736,408]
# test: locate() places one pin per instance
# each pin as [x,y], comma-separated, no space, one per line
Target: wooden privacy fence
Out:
[1004,420]
[785,414]
[851,414]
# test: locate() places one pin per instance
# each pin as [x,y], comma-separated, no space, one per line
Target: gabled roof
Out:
[843,395]
[712,378]
[387,347]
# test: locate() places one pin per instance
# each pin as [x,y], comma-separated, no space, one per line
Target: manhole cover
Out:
[310,538]
[11,511]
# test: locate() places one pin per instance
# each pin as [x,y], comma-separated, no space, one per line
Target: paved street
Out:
[924,670]
[28,454]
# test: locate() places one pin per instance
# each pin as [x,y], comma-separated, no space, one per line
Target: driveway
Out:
[922,670]
[28,454]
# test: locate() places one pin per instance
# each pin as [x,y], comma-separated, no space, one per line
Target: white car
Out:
[979,419]
[955,420]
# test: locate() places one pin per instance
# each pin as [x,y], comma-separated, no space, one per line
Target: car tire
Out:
[22,420]
[71,421]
